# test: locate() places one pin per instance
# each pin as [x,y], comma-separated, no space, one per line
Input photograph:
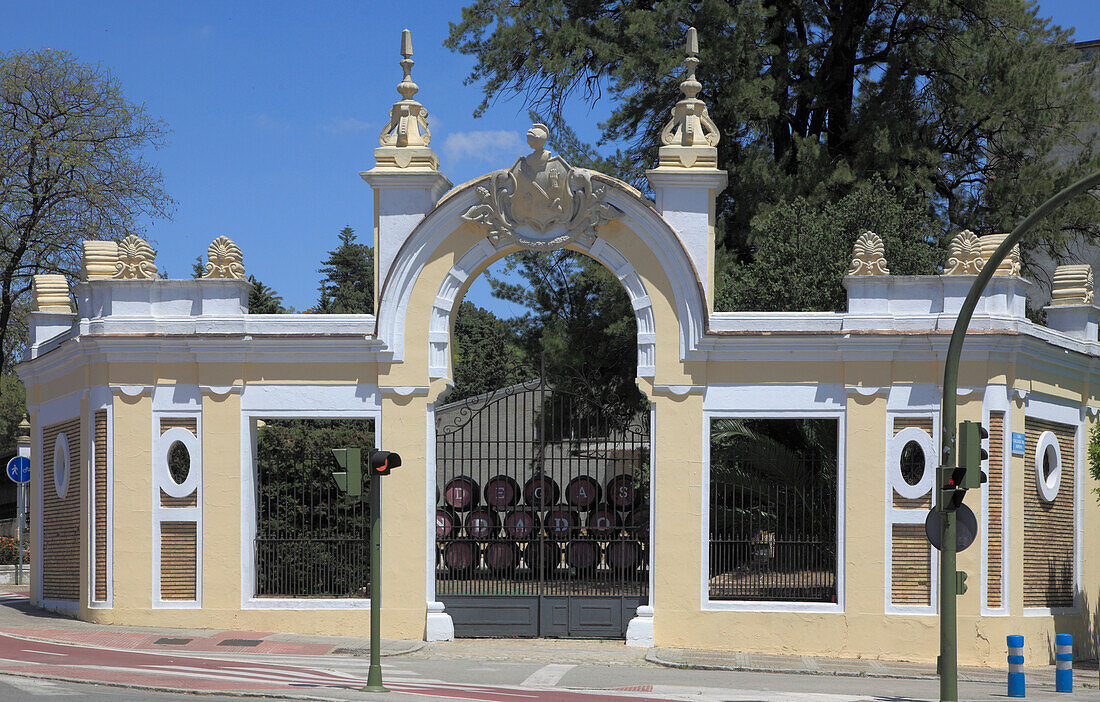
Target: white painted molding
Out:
[221,390]
[1091,411]
[440,627]
[62,468]
[679,390]
[405,390]
[865,390]
[194,452]
[894,448]
[639,631]
[1020,393]
[132,390]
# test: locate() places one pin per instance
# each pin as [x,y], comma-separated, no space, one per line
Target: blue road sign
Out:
[1017,443]
[19,469]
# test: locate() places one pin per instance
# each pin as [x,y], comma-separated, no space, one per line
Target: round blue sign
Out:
[19,469]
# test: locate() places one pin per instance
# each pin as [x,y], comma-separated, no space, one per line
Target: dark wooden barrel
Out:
[623,555]
[541,491]
[547,553]
[446,523]
[583,492]
[561,523]
[621,493]
[460,556]
[501,492]
[502,556]
[582,554]
[482,523]
[461,493]
[522,524]
[603,522]
[637,523]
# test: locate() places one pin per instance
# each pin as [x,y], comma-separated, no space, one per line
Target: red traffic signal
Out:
[381,462]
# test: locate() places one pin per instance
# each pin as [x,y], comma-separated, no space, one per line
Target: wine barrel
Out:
[501,492]
[541,491]
[502,556]
[482,523]
[583,492]
[583,554]
[603,522]
[621,493]
[460,556]
[637,523]
[561,523]
[522,524]
[546,553]
[624,555]
[461,493]
[446,523]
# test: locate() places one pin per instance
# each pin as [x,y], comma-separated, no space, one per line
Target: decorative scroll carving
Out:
[1072,285]
[224,259]
[964,257]
[869,256]
[135,259]
[541,202]
[1011,265]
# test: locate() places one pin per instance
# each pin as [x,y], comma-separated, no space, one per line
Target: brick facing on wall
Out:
[924,423]
[995,509]
[911,567]
[178,556]
[100,468]
[61,517]
[1048,526]
[191,425]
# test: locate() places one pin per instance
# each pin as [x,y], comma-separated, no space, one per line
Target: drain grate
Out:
[172,642]
[240,642]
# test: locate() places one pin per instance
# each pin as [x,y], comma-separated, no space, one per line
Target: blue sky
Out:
[275,108]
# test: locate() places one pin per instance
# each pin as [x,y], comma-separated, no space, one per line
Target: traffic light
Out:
[349,480]
[382,461]
[970,457]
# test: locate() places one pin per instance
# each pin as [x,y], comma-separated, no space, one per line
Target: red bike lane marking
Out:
[186,672]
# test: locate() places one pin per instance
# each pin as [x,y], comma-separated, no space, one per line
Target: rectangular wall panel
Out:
[1049,526]
[100,506]
[61,516]
[911,566]
[178,556]
[995,510]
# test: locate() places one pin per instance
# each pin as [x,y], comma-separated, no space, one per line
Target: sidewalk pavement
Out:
[19,618]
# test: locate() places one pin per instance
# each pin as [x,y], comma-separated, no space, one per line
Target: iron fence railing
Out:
[773,540]
[311,540]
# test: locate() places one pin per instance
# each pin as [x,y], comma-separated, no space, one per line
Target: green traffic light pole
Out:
[948,662]
[374,675]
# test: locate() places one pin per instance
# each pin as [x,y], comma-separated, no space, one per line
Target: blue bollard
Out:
[1063,659]
[1015,666]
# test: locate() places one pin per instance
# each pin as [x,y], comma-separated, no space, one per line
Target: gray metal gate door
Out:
[542,519]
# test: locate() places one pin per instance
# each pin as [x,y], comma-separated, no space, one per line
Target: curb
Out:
[268,694]
[654,657]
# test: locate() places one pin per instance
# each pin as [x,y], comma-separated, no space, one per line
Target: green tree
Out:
[960,102]
[486,354]
[72,167]
[581,319]
[13,406]
[779,276]
[348,283]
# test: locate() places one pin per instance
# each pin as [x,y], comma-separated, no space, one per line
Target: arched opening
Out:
[542,455]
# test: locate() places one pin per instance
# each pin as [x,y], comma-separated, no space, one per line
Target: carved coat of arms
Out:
[541,202]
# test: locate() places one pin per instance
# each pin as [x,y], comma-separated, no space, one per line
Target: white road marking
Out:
[38,688]
[547,676]
[44,653]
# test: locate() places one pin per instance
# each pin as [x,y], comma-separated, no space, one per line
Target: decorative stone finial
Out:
[224,259]
[541,202]
[100,258]
[135,259]
[23,431]
[404,141]
[869,256]
[964,256]
[690,137]
[1011,264]
[51,293]
[1072,285]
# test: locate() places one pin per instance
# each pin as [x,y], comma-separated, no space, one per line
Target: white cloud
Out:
[492,145]
[344,126]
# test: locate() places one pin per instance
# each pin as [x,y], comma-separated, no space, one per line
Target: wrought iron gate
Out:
[542,520]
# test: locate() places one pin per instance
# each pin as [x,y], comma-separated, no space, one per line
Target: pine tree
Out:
[347,285]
